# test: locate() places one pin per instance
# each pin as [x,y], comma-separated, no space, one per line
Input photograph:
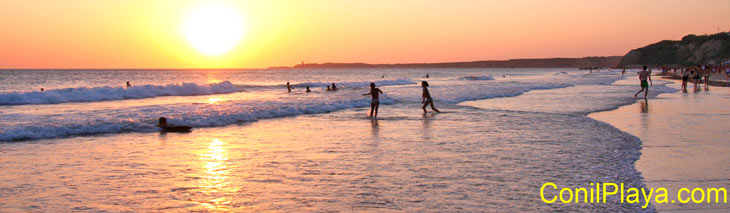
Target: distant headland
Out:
[608,61]
[691,50]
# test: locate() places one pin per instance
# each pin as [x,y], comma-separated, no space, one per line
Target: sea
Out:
[88,142]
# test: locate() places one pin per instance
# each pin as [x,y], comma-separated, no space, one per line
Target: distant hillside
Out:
[691,50]
[609,61]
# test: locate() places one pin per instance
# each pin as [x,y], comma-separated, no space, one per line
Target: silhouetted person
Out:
[426,98]
[685,78]
[308,89]
[288,87]
[643,76]
[328,88]
[375,103]
[42,89]
[706,75]
[426,75]
[128,84]
[163,123]
[334,87]
[623,72]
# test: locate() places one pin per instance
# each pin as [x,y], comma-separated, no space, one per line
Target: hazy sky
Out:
[148,33]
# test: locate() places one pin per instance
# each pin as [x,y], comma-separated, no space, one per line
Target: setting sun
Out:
[213,29]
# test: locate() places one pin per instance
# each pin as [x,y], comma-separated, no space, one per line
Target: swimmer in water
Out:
[163,123]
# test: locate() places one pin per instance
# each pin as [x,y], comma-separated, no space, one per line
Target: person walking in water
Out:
[308,89]
[643,76]
[426,98]
[623,72]
[334,87]
[288,87]
[375,103]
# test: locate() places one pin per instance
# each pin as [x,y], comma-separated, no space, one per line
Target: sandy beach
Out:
[684,140]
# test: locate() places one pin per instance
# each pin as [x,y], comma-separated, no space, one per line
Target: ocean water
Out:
[89,143]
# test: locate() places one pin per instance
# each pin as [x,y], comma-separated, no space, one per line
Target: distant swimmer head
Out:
[372,84]
[424,84]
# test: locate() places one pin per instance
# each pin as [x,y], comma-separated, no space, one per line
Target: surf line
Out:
[601,191]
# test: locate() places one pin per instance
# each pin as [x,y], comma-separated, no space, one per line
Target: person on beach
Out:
[685,77]
[426,75]
[426,98]
[643,76]
[623,72]
[375,103]
[696,76]
[308,89]
[288,87]
[128,84]
[334,87]
[706,75]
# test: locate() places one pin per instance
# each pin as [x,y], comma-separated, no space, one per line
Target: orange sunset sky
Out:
[157,33]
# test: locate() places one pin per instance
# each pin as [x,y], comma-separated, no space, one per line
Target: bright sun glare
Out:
[213,29]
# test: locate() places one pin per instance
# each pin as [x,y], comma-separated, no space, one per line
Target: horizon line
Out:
[292,66]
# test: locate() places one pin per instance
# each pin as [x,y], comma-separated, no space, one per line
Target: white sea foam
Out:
[83,94]
[358,83]
[241,108]
[477,78]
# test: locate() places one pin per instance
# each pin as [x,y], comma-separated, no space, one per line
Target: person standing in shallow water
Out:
[288,87]
[426,98]
[643,76]
[375,103]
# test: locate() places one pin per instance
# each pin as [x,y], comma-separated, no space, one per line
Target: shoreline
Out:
[676,149]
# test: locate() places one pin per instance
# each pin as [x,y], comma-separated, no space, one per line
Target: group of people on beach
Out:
[698,74]
[701,74]
[375,93]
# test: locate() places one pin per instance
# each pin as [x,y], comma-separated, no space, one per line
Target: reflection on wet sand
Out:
[645,106]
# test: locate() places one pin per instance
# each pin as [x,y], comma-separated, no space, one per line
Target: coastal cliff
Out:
[691,50]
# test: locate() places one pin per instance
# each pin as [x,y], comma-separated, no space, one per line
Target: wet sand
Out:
[685,142]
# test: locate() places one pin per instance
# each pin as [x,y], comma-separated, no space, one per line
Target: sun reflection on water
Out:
[213,101]
[214,183]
